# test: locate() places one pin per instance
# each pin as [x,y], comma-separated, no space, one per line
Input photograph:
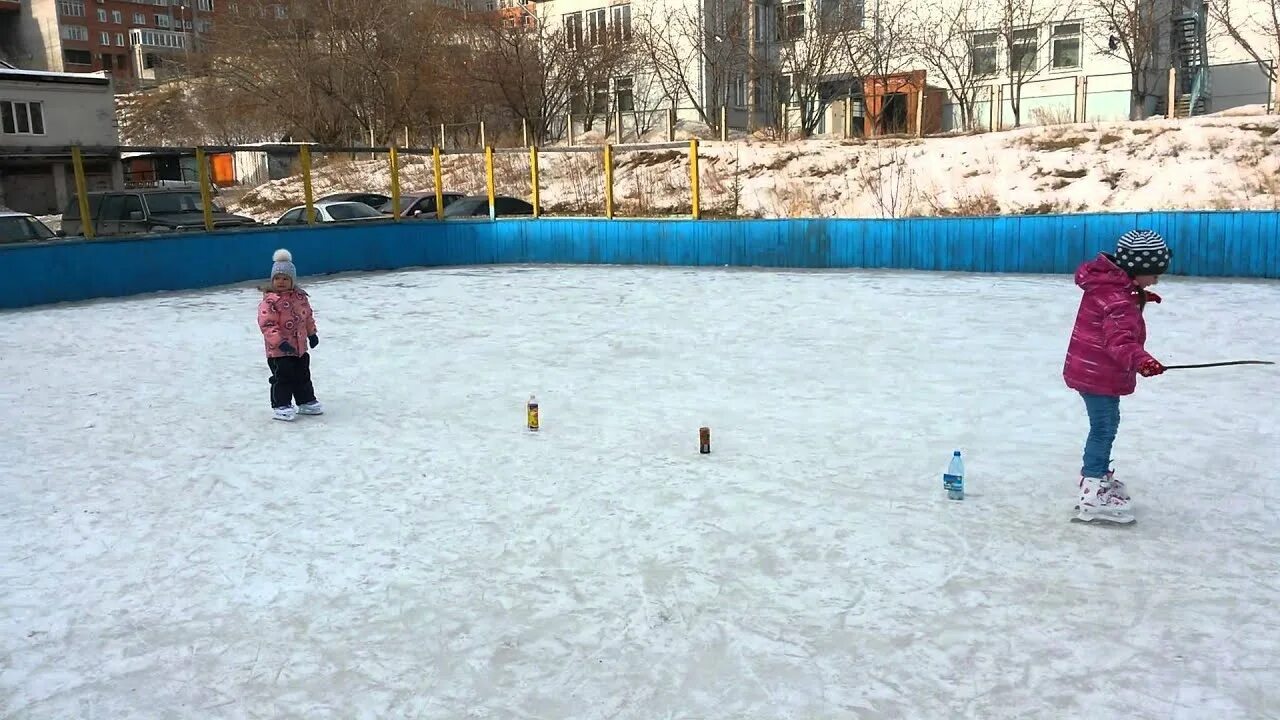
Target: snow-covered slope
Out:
[1211,162]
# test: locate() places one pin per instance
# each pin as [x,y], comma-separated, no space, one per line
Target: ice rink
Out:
[169,551]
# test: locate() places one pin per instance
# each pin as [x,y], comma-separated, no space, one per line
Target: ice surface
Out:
[171,552]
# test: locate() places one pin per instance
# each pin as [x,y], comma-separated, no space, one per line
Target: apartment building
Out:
[41,115]
[1061,63]
[127,38]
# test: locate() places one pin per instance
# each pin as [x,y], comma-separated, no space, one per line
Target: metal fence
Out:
[403,174]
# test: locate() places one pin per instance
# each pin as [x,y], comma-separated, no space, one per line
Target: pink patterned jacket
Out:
[286,316]
[1107,341]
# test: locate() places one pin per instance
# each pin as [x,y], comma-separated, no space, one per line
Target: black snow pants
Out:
[291,380]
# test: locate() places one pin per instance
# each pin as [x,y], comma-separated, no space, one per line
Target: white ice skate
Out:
[1110,485]
[286,414]
[1114,486]
[312,408]
[1097,503]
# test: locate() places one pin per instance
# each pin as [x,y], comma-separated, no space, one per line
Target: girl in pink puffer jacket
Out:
[1105,356]
[288,328]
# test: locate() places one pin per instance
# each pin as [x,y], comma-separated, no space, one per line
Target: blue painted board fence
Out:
[1213,244]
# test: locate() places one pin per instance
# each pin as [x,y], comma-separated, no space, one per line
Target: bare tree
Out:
[1259,19]
[829,42]
[692,55]
[1133,29]
[943,41]
[882,50]
[528,67]
[1024,29]
[338,70]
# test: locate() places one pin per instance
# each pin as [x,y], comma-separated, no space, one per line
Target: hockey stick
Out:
[1219,364]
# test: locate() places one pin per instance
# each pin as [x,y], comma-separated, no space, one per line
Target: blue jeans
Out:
[1104,421]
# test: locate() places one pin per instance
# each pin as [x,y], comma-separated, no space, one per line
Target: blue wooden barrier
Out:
[1211,244]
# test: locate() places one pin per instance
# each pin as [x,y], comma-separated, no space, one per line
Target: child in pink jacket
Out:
[1106,355]
[288,328]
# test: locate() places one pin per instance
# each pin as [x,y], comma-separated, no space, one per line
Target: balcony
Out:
[158,40]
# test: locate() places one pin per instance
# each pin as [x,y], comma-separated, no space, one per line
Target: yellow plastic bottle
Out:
[531,410]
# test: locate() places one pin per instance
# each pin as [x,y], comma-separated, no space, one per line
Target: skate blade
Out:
[1103,520]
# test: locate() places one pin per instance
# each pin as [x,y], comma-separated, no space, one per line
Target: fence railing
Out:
[495,174]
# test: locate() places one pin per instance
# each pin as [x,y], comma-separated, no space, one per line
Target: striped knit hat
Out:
[1142,252]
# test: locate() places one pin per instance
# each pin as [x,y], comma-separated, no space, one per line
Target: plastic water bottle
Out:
[953,480]
[531,413]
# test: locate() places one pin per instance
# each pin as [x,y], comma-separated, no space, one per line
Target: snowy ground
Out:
[171,552]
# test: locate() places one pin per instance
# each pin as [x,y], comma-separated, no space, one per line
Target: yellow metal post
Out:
[533,181]
[439,173]
[395,185]
[305,156]
[488,176]
[693,178]
[82,193]
[206,202]
[608,181]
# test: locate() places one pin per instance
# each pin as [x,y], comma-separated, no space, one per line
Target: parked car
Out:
[16,227]
[373,200]
[423,203]
[328,212]
[130,212]
[478,206]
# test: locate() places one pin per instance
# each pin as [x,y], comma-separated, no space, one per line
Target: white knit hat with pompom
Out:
[282,264]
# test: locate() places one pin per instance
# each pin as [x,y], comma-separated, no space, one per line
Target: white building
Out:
[41,115]
[1059,62]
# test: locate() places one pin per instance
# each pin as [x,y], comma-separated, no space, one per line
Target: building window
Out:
[738,91]
[783,84]
[104,38]
[573,31]
[102,15]
[595,27]
[621,20]
[117,17]
[766,21]
[75,32]
[1024,49]
[162,20]
[840,15]
[757,96]
[600,97]
[21,118]
[282,12]
[139,19]
[1066,46]
[119,39]
[791,21]
[623,96]
[205,5]
[203,26]
[984,52]
[77,57]
[70,9]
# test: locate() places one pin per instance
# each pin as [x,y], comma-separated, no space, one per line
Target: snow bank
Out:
[1212,162]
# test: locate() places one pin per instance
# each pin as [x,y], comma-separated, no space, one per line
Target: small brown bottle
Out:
[704,440]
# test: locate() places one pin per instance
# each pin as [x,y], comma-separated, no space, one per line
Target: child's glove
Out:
[313,340]
[1150,367]
[1152,297]
[287,348]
